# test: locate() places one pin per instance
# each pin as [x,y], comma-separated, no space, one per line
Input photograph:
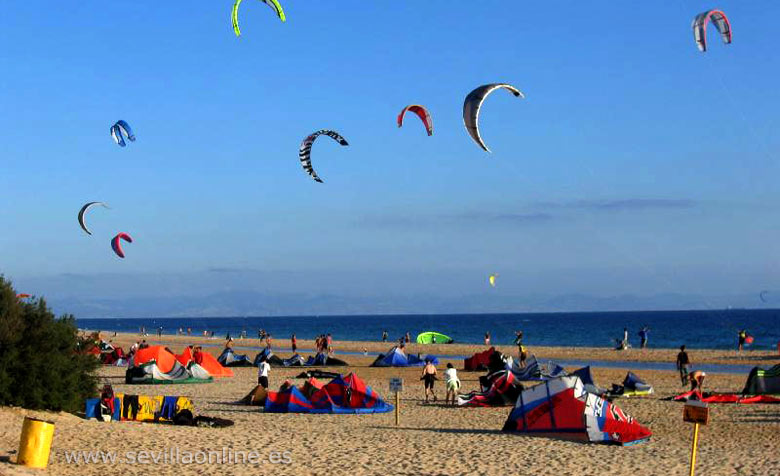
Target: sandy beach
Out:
[431,439]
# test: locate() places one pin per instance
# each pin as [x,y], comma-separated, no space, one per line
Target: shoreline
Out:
[650,355]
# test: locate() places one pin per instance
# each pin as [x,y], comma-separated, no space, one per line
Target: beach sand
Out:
[432,439]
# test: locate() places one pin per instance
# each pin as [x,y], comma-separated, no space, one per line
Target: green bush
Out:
[40,367]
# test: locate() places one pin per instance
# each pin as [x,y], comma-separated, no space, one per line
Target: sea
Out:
[698,329]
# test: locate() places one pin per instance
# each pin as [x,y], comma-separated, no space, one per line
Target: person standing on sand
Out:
[683,365]
[742,337]
[408,338]
[384,336]
[428,377]
[262,373]
[329,342]
[520,348]
[643,337]
[452,383]
[487,338]
[268,341]
[294,343]
[625,343]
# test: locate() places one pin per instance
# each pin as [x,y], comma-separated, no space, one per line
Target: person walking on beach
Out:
[262,373]
[329,342]
[742,337]
[294,343]
[487,338]
[683,365]
[408,338]
[428,377]
[643,337]
[452,383]
[384,336]
[625,343]
[522,353]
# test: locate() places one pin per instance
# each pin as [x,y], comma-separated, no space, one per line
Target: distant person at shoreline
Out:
[742,337]
[408,338]
[329,342]
[268,341]
[428,377]
[487,338]
[452,383]
[384,336]
[643,337]
[293,343]
[229,344]
[626,345]
[683,365]
[519,342]
[401,343]
[189,331]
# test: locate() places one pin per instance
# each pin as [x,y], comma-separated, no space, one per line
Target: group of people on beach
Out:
[451,382]
[624,344]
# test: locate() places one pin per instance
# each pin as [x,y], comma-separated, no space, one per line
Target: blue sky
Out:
[636,164]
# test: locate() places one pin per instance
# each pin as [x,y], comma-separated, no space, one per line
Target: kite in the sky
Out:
[699,25]
[84,210]
[473,103]
[492,280]
[762,295]
[116,244]
[422,113]
[304,153]
[120,130]
[274,4]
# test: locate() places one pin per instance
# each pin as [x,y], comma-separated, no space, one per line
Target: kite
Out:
[422,113]
[492,280]
[116,244]
[473,103]
[699,26]
[120,130]
[304,154]
[84,210]
[22,296]
[274,4]
[762,295]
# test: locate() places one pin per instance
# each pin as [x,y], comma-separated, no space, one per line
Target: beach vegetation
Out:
[41,367]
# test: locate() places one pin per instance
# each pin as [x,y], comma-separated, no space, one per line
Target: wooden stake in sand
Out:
[698,413]
[397,386]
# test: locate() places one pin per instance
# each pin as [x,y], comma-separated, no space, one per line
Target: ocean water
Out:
[715,329]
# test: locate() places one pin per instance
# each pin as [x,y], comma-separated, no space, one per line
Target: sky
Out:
[637,169]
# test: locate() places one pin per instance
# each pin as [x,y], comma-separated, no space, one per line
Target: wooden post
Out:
[397,407]
[693,448]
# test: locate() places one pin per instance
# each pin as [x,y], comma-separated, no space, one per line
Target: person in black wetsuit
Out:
[428,377]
